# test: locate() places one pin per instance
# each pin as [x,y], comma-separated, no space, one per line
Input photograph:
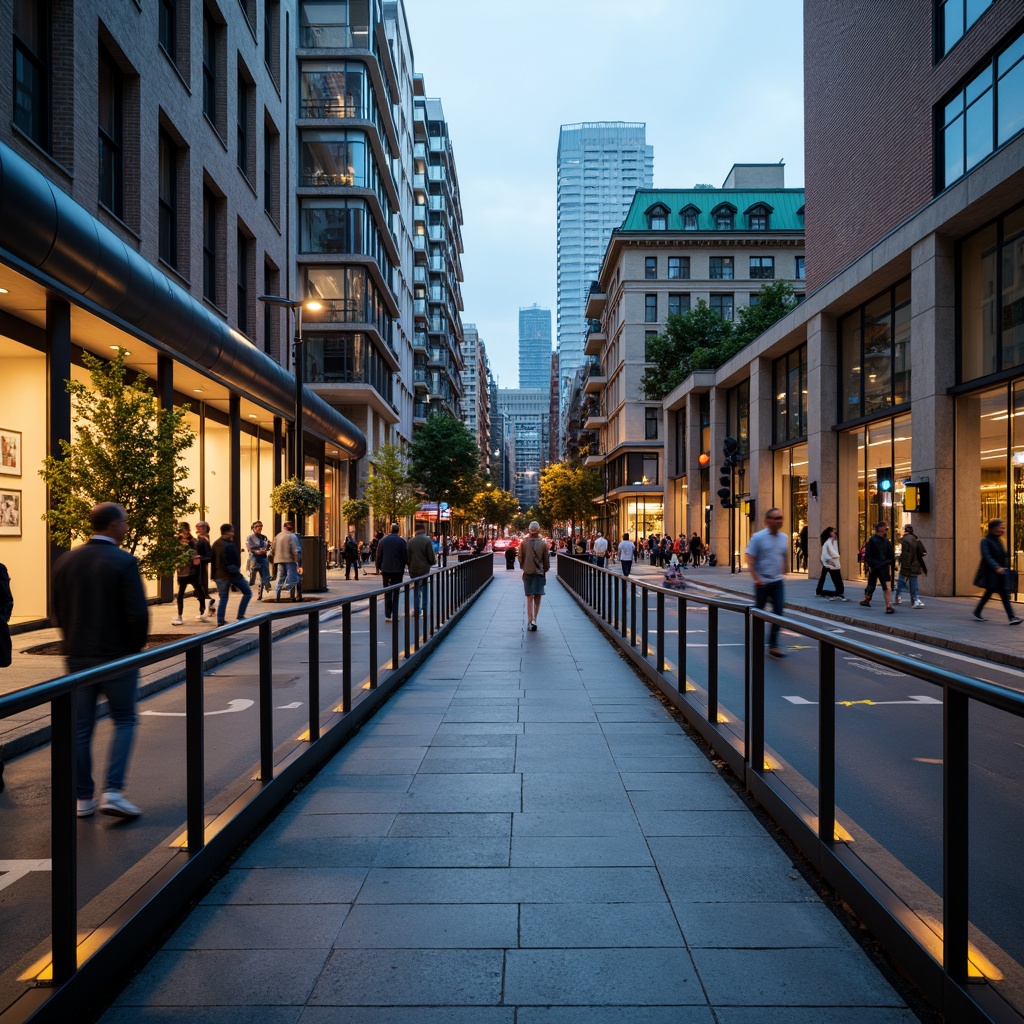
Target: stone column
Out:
[822,446]
[759,479]
[58,370]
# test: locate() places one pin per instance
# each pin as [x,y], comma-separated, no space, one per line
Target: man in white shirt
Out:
[768,561]
[600,550]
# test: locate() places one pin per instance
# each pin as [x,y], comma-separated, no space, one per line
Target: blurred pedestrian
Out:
[767,559]
[994,572]
[879,557]
[627,551]
[830,566]
[912,553]
[421,558]
[205,549]
[258,546]
[535,561]
[227,573]
[188,575]
[350,552]
[392,558]
[287,553]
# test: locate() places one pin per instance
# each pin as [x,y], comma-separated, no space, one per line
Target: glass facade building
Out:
[534,347]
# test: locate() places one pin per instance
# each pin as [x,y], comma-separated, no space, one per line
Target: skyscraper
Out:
[534,346]
[600,165]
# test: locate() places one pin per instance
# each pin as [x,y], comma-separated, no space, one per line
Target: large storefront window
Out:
[992,298]
[790,495]
[867,455]
[789,375]
[875,354]
[642,515]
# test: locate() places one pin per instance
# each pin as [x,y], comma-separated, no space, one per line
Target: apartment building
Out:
[476,399]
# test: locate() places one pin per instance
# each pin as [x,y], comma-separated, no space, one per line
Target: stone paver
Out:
[521,836]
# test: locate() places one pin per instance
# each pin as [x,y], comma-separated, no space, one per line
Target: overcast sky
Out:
[716,83]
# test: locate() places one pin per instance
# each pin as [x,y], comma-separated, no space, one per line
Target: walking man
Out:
[879,557]
[100,605]
[627,550]
[287,554]
[350,552]
[421,558]
[392,558]
[912,553]
[768,561]
[205,549]
[535,561]
[600,550]
[227,573]
[258,547]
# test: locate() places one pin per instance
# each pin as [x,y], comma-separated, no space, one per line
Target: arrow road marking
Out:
[233,705]
[15,869]
[289,707]
[873,703]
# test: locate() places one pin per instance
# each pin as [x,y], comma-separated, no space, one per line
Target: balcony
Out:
[594,343]
[419,307]
[594,460]
[334,37]
[596,382]
[419,341]
[595,302]
[595,421]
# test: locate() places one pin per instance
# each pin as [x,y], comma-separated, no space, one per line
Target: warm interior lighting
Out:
[3,291]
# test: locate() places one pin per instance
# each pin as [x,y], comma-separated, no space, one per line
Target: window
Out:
[801,270]
[984,114]
[721,268]
[649,336]
[32,31]
[168,27]
[650,267]
[955,17]
[651,418]
[678,303]
[243,271]
[722,304]
[209,245]
[650,309]
[789,376]
[168,199]
[678,268]
[757,217]
[111,124]
[724,217]
[245,117]
[271,169]
[657,217]
[690,215]
[209,67]
[271,34]
[762,268]
[270,313]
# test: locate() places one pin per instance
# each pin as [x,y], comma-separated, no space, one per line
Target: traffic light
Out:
[730,449]
[884,484]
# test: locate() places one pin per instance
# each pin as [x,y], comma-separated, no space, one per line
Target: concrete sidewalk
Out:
[522,834]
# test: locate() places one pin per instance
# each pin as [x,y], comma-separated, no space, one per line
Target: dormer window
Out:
[724,216]
[689,214]
[657,217]
[758,217]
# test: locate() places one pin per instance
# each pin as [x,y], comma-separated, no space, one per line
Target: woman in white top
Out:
[626,549]
[830,565]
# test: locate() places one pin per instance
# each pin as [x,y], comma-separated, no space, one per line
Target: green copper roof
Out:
[782,205]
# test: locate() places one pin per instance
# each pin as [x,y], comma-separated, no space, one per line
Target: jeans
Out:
[287,576]
[627,564]
[419,592]
[351,565]
[224,589]
[261,566]
[392,598]
[120,694]
[771,592]
[184,582]
[907,583]
[599,559]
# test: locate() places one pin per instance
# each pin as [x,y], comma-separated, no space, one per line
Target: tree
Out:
[701,340]
[496,507]
[567,493]
[388,488]
[127,450]
[296,497]
[356,511]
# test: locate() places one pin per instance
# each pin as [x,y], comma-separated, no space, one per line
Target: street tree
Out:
[388,487]
[356,511]
[496,507]
[127,450]
[567,493]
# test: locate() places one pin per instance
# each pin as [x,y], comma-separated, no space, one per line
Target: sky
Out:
[716,83]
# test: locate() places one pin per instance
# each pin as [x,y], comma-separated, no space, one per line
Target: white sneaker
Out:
[919,604]
[177,621]
[897,600]
[200,617]
[86,807]
[114,804]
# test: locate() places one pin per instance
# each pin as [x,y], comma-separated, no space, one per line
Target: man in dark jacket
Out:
[879,557]
[227,573]
[350,552]
[993,572]
[100,604]
[391,560]
[421,558]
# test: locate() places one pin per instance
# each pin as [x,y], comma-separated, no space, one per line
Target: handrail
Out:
[80,968]
[939,958]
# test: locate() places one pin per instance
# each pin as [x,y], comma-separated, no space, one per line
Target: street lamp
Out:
[296,305]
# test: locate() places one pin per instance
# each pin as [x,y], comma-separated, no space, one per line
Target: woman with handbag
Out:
[994,572]
[830,565]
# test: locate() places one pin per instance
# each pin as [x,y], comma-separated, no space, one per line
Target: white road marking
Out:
[233,705]
[289,707]
[873,703]
[12,870]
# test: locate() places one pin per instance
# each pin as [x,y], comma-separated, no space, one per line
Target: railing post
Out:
[396,651]
[955,836]
[346,657]
[660,612]
[63,838]
[826,743]
[632,614]
[681,649]
[644,646]
[314,675]
[408,618]
[623,588]
[372,640]
[266,693]
[755,709]
[195,767]
[712,663]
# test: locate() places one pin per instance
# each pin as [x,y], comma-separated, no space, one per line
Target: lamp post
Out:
[296,305]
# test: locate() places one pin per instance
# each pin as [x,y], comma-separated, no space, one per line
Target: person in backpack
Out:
[350,552]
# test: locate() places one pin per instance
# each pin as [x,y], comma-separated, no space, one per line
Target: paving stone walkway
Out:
[522,836]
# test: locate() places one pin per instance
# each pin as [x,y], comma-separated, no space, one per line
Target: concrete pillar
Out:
[933,371]
[235,459]
[58,370]
[760,467]
[165,395]
[822,449]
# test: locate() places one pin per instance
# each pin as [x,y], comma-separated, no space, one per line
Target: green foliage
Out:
[388,488]
[495,507]
[127,450]
[356,511]
[567,493]
[297,496]
[701,340]
[445,461]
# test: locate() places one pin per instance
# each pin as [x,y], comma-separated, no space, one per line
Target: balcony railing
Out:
[334,37]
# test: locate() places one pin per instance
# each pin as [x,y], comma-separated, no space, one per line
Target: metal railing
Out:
[930,937]
[80,965]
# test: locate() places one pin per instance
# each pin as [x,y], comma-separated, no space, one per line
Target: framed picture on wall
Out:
[10,513]
[10,452]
